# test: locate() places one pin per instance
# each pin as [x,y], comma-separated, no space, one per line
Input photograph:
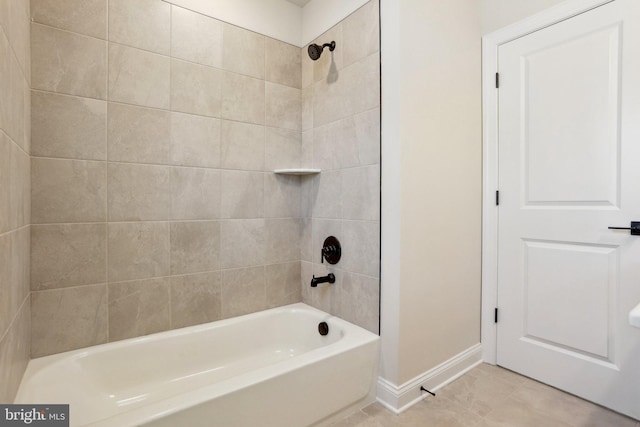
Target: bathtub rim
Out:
[354,336]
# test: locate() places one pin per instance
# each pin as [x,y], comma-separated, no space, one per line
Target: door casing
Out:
[490,45]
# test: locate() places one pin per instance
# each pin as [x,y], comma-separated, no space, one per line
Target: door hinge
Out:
[497,80]
[497,198]
[495,315]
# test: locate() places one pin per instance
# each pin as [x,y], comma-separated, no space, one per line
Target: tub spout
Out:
[330,278]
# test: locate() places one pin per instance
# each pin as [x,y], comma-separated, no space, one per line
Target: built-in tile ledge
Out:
[299,171]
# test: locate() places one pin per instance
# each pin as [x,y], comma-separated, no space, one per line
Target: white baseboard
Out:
[400,398]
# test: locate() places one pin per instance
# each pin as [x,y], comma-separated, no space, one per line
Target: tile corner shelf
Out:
[298,171]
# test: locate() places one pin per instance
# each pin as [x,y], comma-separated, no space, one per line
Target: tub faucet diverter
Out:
[330,278]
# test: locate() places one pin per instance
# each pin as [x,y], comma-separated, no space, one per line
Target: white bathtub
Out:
[270,368]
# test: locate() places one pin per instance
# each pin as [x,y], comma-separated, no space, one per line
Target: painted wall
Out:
[431,174]
[500,13]
[277,19]
[15,146]
[320,15]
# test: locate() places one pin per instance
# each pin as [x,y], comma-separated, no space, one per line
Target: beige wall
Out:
[15,141]
[441,183]
[341,136]
[432,138]
[153,202]
[500,13]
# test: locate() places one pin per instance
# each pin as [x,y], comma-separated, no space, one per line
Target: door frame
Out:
[490,45]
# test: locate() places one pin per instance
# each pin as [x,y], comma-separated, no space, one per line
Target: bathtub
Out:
[271,368]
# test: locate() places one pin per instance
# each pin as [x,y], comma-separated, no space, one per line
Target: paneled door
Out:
[569,168]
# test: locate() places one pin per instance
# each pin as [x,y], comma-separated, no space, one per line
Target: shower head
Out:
[316,50]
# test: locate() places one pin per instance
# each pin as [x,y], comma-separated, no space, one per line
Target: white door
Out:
[569,167]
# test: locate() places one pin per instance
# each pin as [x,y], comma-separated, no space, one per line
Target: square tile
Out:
[138,77]
[195,247]
[65,62]
[68,191]
[145,24]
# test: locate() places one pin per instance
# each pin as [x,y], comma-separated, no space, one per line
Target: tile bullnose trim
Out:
[400,398]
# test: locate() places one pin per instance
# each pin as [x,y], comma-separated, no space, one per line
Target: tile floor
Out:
[489,396]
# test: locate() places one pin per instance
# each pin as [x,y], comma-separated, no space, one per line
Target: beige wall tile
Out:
[243,291]
[242,243]
[306,115]
[283,284]
[14,274]
[360,247]
[138,77]
[68,126]
[283,64]
[196,299]
[283,149]
[195,89]
[358,300]
[361,33]
[242,146]
[195,247]
[65,255]
[26,146]
[12,86]
[69,63]
[15,184]
[196,38]
[68,191]
[361,193]
[283,107]
[361,85]
[19,33]
[307,67]
[6,222]
[306,241]
[137,250]
[138,192]
[243,99]
[242,194]
[324,194]
[282,196]
[243,51]
[195,193]
[7,106]
[330,102]
[282,243]
[139,135]
[7,286]
[15,353]
[361,133]
[145,24]
[306,150]
[87,17]
[68,319]
[138,308]
[195,140]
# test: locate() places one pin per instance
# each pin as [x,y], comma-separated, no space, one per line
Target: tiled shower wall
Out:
[341,136]
[15,141]
[154,133]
